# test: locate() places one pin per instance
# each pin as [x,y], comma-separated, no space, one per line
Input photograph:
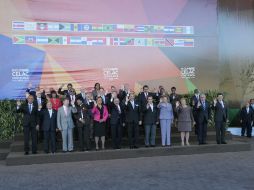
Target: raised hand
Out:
[214,101]
[73,102]
[30,85]
[62,85]
[177,103]
[127,99]
[18,103]
[95,103]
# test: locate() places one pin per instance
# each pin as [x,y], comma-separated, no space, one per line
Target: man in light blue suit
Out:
[65,124]
[166,118]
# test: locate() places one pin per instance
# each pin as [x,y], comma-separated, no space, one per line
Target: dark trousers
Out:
[133,133]
[30,130]
[246,125]
[116,133]
[196,125]
[202,131]
[84,137]
[50,136]
[220,131]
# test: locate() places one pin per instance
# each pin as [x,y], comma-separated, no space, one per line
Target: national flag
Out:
[30,26]
[141,28]
[78,40]
[178,29]
[42,26]
[119,28]
[189,43]
[30,39]
[140,41]
[55,40]
[53,26]
[84,27]
[18,39]
[126,41]
[158,29]
[189,30]
[41,39]
[109,27]
[149,42]
[74,27]
[65,27]
[178,42]
[18,25]
[129,28]
[97,27]
[159,42]
[169,29]
[96,41]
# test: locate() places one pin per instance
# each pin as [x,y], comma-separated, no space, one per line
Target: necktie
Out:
[65,110]
[50,113]
[151,107]
[203,105]
[119,110]
[132,103]
[30,108]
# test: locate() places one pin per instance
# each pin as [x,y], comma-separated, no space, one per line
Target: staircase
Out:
[16,156]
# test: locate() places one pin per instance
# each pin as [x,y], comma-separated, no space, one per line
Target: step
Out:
[3,153]
[18,146]
[6,144]
[173,130]
[18,158]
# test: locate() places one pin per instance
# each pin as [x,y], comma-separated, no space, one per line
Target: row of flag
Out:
[102,41]
[95,27]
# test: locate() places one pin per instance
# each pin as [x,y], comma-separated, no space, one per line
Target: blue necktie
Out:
[30,108]
[203,105]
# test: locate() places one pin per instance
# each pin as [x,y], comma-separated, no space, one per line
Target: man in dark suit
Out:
[194,102]
[123,92]
[173,98]
[117,122]
[83,121]
[220,118]
[49,127]
[30,122]
[247,117]
[132,119]
[142,97]
[203,111]
[65,92]
[151,119]
[82,95]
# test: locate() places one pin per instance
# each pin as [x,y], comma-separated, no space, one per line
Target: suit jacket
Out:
[247,117]
[203,114]
[29,119]
[150,117]
[132,115]
[143,99]
[48,123]
[65,121]
[96,113]
[87,115]
[63,92]
[166,111]
[174,98]
[115,116]
[220,113]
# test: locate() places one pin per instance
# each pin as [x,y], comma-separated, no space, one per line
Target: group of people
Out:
[91,114]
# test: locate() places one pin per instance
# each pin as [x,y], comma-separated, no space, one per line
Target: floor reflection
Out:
[237,130]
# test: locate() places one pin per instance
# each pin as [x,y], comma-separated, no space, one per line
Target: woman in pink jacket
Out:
[100,115]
